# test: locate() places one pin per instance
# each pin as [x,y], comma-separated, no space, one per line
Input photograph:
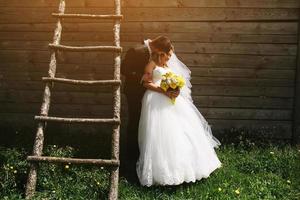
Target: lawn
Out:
[251,170]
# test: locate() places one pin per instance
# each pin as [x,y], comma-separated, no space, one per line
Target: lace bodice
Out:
[157,74]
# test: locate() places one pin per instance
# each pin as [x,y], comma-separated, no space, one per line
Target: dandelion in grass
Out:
[237,191]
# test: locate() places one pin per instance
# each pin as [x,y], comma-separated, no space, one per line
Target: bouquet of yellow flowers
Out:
[171,82]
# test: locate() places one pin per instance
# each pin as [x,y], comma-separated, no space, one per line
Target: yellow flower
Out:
[173,85]
[98,183]
[169,74]
[181,82]
[164,86]
[272,152]
[237,191]
[15,171]
[11,167]
[220,189]
[67,166]
[288,181]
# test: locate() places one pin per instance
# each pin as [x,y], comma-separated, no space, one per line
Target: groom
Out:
[132,68]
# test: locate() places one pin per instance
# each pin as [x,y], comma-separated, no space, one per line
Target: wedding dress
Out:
[175,141]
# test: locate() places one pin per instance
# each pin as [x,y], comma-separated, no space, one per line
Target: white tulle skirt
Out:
[175,142]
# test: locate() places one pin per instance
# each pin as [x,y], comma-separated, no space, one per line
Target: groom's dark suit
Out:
[132,67]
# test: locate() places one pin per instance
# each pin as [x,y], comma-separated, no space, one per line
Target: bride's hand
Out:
[175,93]
[172,94]
[169,94]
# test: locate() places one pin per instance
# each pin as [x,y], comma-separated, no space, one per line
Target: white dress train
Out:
[173,140]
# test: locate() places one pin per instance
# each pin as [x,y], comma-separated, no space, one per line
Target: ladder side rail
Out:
[114,176]
[39,139]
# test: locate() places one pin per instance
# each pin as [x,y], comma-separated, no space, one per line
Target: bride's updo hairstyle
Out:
[162,43]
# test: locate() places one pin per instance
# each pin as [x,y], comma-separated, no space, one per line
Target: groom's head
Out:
[162,44]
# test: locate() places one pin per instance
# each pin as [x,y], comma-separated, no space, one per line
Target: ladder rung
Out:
[74,160]
[87,16]
[85,48]
[83,82]
[78,120]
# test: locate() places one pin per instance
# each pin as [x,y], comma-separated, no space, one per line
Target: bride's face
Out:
[164,57]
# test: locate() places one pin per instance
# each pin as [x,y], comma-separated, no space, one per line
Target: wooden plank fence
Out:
[242,53]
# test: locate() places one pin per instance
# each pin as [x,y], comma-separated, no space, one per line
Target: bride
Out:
[175,141]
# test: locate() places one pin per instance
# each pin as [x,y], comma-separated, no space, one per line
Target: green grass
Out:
[250,171]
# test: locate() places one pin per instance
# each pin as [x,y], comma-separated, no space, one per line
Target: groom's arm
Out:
[147,78]
[127,62]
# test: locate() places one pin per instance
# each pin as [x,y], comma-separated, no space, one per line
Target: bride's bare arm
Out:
[147,78]
[148,83]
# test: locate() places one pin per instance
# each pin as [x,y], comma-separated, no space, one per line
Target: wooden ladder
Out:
[43,118]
